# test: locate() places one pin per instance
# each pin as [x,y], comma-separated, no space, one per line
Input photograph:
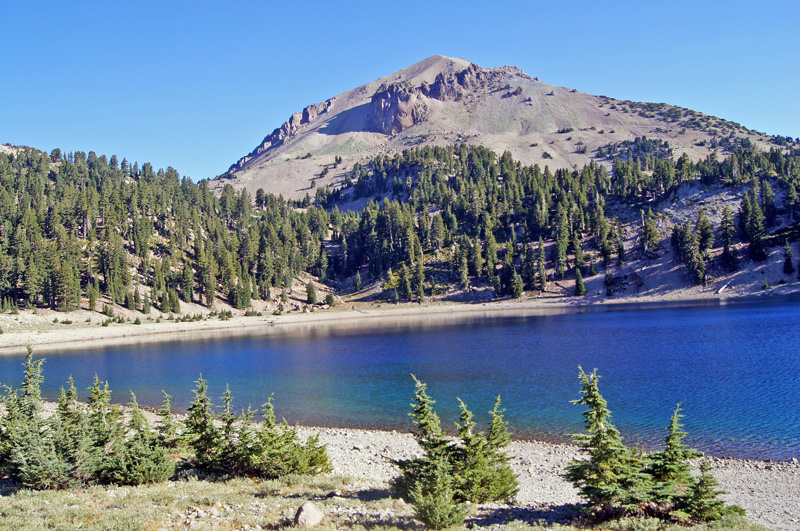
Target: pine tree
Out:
[670,469]
[433,497]
[620,253]
[429,436]
[580,289]
[542,275]
[404,283]
[419,280]
[480,462]
[167,428]
[650,235]
[592,268]
[311,293]
[727,231]
[516,285]
[703,501]
[788,259]
[202,435]
[612,478]
[705,232]
[475,260]
[529,267]
[359,285]
[187,281]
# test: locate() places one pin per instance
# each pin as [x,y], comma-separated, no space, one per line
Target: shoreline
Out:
[41,331]
[768,491]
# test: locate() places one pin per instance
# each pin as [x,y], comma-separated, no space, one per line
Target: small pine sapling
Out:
[433,497]
[202,435]
[670,469]
[703,501]
[167,428]
[429,436]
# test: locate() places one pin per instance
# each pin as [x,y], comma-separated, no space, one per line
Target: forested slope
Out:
[77,227]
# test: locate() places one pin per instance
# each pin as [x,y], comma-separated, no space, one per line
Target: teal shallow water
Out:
[734,367]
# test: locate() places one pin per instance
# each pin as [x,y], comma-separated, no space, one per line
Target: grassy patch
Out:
[252,503]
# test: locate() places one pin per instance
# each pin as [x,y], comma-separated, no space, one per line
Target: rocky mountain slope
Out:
[442,100]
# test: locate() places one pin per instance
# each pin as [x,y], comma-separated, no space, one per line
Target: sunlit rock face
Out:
[396,107]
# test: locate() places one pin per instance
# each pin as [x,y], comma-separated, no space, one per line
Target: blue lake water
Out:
[734,367]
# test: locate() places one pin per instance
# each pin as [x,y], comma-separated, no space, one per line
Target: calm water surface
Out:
[735,368]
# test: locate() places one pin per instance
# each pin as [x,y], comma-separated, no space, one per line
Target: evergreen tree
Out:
[620,252]
[592,268]
[703,502]
[359,285]
[727,232]
[650,235]
[433,497]
[529,267]
[431,439]
[187,281]
[517,288]
[167,428]
[419,280]
[311,293]
[705,233]
[672,474]
[788,259]
[203,437]
[542,274]
[611,478]
[481,466]
[404,283]
[475,261]
[768,205]
[580,289]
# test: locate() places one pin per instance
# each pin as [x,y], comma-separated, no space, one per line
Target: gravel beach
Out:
[769,491]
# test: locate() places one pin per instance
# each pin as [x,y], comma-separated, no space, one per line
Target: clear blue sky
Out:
[196,85]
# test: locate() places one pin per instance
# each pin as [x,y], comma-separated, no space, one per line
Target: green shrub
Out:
[703,501]
[433,497]
[138,459]
[477,461]
[76,446]
[240,447]
[620,481]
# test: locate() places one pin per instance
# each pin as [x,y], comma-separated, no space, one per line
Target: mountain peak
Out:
[443,100]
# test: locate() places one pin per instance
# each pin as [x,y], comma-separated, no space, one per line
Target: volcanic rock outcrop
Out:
[396,107]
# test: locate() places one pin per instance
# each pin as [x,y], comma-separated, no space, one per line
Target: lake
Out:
[734,367]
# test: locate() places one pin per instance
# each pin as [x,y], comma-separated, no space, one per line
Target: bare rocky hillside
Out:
[442,100]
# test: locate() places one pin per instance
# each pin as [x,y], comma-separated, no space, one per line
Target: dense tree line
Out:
[492,212]
[79,226]
[75,227]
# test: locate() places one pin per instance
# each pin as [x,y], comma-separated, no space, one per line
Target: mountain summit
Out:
[443,100]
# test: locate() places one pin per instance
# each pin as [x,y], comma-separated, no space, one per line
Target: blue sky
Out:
[196,85]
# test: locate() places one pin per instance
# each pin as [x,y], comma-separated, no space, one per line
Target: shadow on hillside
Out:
[472,297]
[555,514]
[350,121]
[367,495]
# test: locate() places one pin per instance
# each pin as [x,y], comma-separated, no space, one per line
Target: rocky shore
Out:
[769,491]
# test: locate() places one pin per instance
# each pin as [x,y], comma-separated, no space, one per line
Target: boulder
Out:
[308,515]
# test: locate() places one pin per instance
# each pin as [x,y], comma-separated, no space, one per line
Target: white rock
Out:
[308,515]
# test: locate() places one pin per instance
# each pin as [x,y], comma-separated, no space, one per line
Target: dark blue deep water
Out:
[734,367]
